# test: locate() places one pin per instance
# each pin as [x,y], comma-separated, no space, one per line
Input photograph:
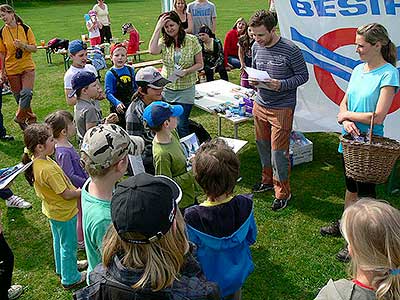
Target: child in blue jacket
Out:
[120,84]
[222,227]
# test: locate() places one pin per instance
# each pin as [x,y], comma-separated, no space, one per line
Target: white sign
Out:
[325,32]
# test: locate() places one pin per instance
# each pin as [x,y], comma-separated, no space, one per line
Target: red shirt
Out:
[133,45]
[231,45]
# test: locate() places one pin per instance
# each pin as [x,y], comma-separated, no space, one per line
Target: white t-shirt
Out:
[95,32]
[102,14]
[72,71]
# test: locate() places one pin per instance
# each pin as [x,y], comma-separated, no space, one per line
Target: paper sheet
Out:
[257,75]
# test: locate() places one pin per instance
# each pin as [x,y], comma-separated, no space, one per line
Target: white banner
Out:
[325,32]
[167,5]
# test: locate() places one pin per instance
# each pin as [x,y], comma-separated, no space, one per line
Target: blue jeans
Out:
[183,124]
[234,61]
[65,247]
[5,194]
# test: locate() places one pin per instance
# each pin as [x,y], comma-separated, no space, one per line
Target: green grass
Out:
[292,260]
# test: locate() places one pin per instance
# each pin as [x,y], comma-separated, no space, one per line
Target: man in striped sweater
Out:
[275,103]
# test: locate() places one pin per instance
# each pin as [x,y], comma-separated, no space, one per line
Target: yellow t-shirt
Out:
[13,65]
[50,182]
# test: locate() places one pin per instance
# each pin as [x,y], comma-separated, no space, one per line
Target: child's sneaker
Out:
[343,255]
[82,264]
[279,204]
[76,284]
[81,246]
[332,229]
[6,90]
[15,291]
[17,202]
[262,187]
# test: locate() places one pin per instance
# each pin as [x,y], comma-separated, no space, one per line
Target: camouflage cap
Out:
[104,145]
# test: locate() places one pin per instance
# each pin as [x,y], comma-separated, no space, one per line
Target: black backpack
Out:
[57,44]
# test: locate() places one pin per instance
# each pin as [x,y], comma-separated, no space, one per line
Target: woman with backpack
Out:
[17,43]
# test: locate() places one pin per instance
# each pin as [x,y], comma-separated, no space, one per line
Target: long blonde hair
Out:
[372,229]
[160,261]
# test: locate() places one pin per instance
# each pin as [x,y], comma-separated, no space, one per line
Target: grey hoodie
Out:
[344,289]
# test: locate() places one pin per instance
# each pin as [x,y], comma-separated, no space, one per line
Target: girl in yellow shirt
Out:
[59,201]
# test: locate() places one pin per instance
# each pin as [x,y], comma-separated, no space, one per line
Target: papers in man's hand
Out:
[257,75]
[7,175]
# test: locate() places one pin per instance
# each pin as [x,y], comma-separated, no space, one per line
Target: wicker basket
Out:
[370,162]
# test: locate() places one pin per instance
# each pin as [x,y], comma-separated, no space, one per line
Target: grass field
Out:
[292,260]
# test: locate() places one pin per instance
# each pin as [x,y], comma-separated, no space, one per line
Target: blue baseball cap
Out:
[158,112]
[76,45]
[81,80]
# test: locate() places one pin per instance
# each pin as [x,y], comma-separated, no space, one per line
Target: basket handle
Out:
[371,126]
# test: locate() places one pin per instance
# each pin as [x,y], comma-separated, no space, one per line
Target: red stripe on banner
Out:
[331,41]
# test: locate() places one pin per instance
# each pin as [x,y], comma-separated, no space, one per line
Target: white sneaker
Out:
[15,291]
[82,265]
[17,202]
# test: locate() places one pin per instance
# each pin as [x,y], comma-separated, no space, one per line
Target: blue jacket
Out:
[227,260]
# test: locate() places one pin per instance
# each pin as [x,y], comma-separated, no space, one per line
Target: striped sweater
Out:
[283,61]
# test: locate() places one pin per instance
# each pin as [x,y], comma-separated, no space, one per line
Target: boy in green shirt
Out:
[168,155]
[104,153]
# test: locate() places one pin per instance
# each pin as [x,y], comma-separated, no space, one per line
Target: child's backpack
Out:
[58,44]
[97,59]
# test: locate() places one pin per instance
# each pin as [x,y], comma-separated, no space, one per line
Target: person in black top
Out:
[213,54]
[180,7]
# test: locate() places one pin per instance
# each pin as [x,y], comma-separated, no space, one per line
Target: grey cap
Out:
[151,77]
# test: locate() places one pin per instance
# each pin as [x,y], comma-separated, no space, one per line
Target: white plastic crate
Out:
[300,149]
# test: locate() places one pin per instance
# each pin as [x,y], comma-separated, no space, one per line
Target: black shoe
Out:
[343,255]
[279,204]
[332,229]
[6,138]
[262,187]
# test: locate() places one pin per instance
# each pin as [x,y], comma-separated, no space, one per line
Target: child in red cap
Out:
[120,84]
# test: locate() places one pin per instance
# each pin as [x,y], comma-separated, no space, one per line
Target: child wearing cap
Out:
[104,154]
[146,252]
[93,26]
[223,227]
[87,113]
[120,83]
[150,86]
[134,37]
[78,55]
[168,155]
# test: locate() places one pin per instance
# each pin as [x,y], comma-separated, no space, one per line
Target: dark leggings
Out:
[105,34]
[6,267]
[220,69]
[363,189]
